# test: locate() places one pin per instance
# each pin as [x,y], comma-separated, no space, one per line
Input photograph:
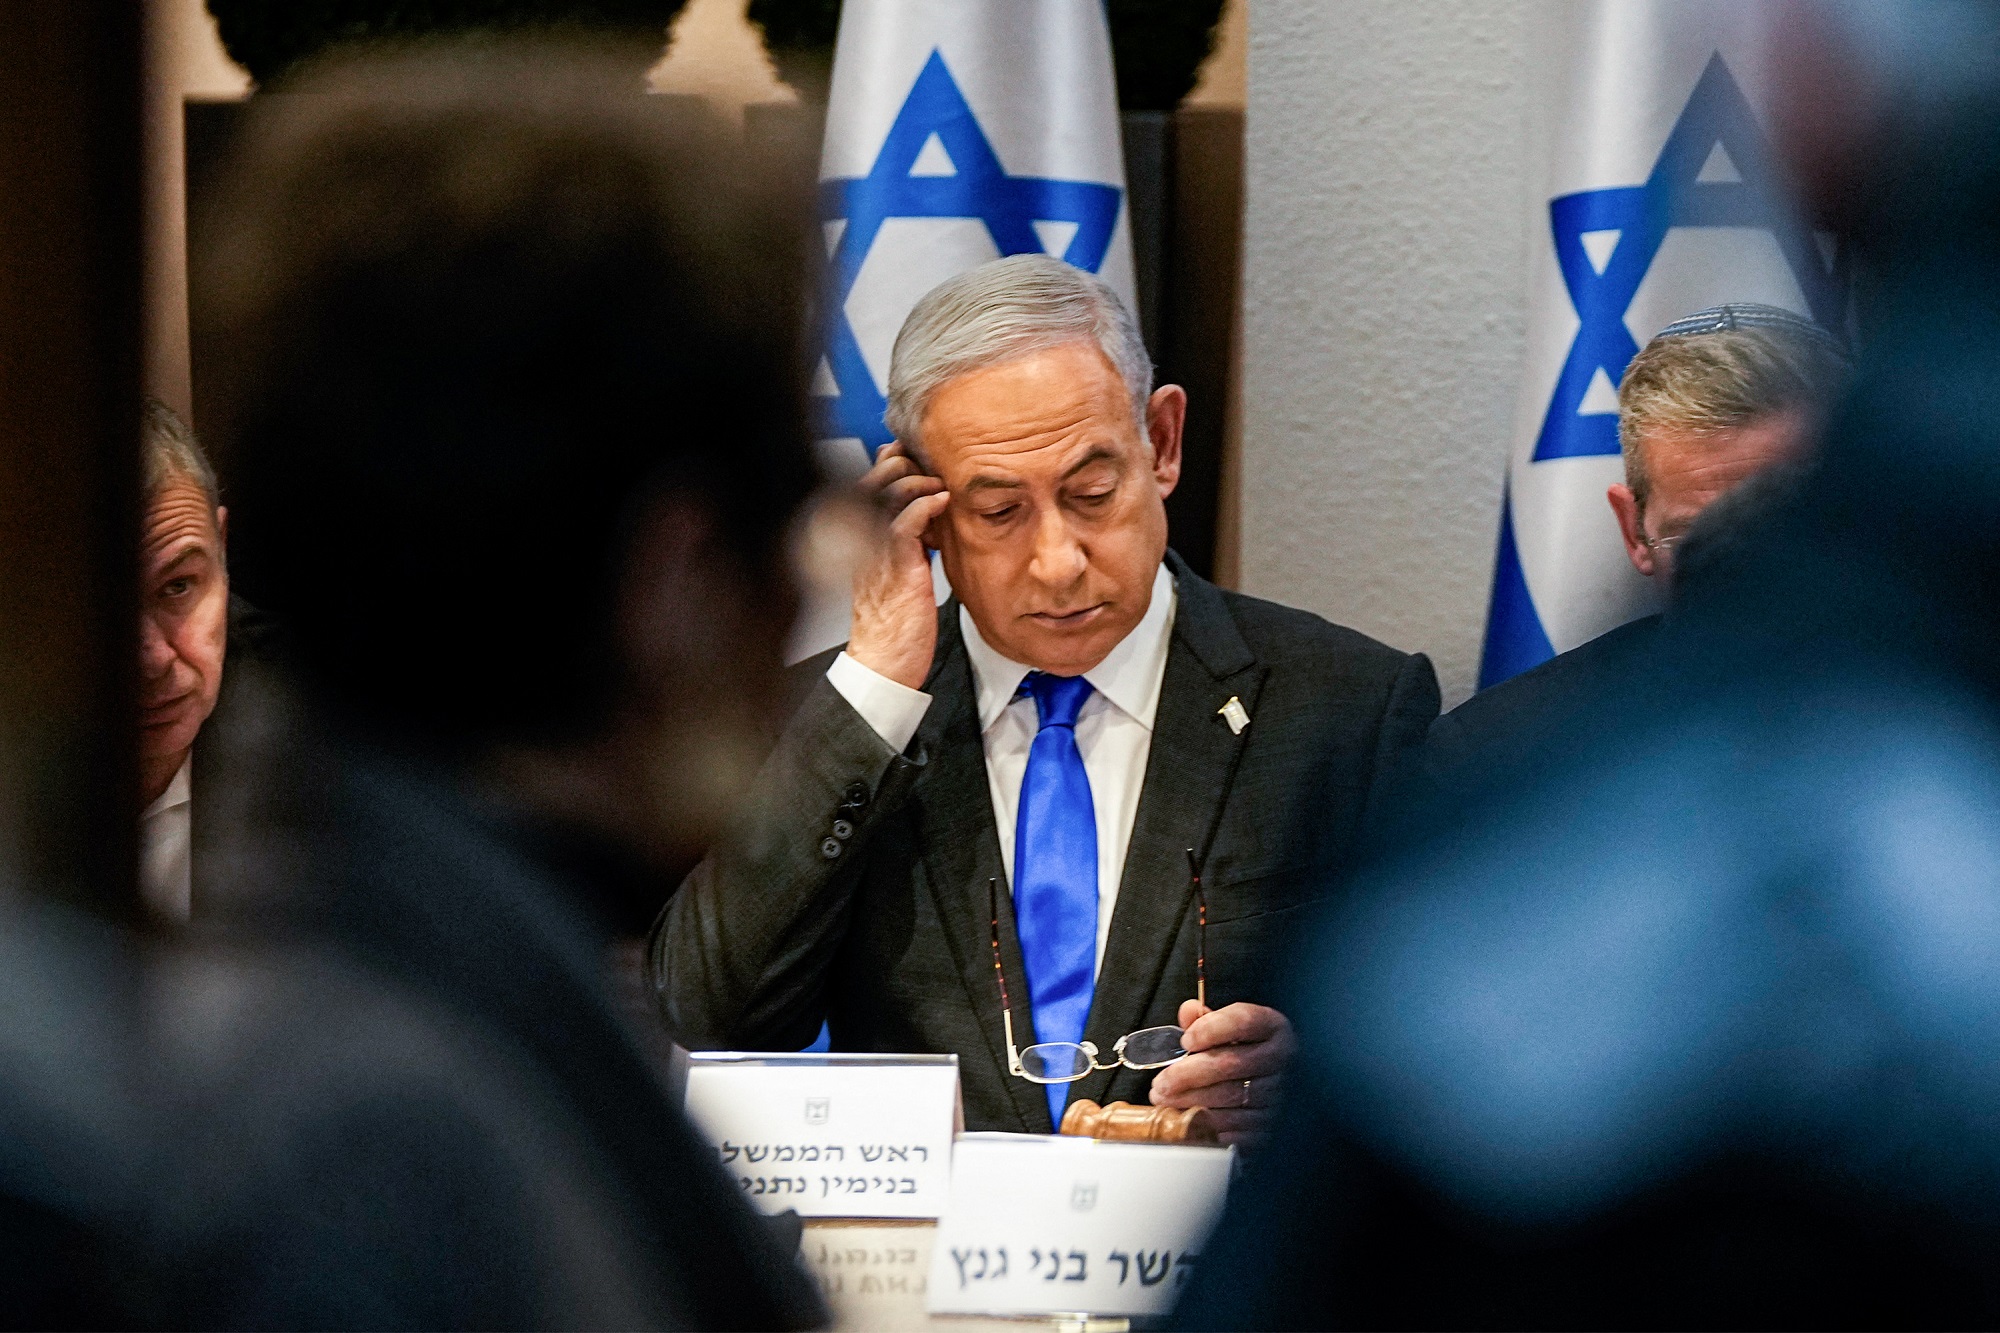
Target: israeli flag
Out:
[1663,199]
[957,132]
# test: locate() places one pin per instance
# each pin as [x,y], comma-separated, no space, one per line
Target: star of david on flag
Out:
[1714,171]
[1709,222]
[937,163]
[1003,141]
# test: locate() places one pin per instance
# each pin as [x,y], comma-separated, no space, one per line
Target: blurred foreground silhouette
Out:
[511,435]
[1698,1022]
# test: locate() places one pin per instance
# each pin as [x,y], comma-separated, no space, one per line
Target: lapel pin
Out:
[1233,713]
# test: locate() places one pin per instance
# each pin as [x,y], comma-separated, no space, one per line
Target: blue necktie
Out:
[1055,871]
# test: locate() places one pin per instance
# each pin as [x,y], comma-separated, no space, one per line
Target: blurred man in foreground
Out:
[1701,1028]
[1082,725]
[1712,401]
[513,417]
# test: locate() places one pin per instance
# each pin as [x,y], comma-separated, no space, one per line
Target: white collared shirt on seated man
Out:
[166,848]
[1114,730]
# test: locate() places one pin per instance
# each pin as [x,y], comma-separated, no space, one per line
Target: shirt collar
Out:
[1129,676]
[177,792]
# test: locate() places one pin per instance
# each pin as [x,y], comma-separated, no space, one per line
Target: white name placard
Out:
[1049,1225]
[830,1135]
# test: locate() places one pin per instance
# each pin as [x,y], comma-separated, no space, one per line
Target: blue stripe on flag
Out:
[1515,639]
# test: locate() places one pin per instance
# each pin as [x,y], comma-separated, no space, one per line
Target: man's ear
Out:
[222,524]
[1632,527]
[1166,416]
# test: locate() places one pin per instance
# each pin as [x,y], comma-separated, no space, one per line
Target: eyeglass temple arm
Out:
[1201,936]
[1013,1053]
[1000,975]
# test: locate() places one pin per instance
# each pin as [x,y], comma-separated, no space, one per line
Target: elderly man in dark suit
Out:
[1013,794]
[184,615]
[189,623]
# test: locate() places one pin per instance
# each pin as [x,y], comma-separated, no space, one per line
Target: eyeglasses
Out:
[1068,1061]
[1658,544]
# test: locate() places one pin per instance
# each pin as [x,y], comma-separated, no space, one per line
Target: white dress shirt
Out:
[166,870]
[1114,729]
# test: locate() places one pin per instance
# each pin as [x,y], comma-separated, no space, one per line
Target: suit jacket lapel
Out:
[1188,773]
[961,851]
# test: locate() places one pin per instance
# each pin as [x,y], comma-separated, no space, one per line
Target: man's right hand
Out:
[895,609]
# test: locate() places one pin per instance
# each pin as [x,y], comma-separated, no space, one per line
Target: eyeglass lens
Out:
[1065,1061]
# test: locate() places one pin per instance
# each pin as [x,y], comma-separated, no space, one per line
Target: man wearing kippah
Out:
[1712,401]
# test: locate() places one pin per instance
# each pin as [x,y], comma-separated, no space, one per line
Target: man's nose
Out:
[1058,560]
[156,653]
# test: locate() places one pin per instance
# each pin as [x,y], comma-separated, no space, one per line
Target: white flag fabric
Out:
[957,132]
[1663,199]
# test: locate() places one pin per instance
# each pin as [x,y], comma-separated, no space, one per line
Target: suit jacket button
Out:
[857,794]
[829,848]
[842,829]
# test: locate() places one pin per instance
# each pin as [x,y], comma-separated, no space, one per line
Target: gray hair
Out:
[172,453]
[1719,369]
[1003,310]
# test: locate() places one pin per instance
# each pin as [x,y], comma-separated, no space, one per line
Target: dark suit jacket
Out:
[885,934]
[1540,716]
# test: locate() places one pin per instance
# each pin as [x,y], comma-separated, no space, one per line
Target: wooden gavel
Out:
[1123,1122]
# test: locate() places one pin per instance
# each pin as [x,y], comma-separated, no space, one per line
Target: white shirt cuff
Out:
[894,710]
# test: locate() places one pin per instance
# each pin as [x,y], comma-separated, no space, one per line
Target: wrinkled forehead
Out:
[1044,409]
[178,515]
